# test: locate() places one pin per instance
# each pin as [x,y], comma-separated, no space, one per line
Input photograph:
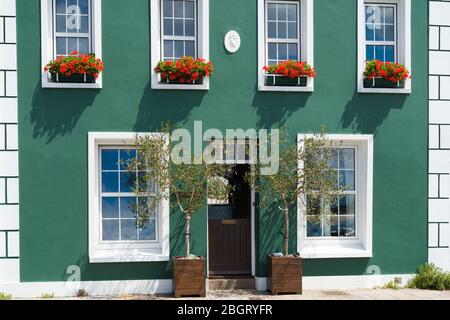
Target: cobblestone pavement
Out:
[365,294]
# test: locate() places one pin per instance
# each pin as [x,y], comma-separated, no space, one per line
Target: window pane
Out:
[178,28]
[127,207]
[168,27]
[370,32]
[148,232]
[389,15]
[178,8]
[282,12]
[330,226]
[110,159]
[110,182]
[129,229]
[168,48]
[272,62]
[272,52]
[282,30]
[271,11]
[379,32]
[370,14]
[72,44]
[71,3]
[347,179]
[110,207]
[189,48]
[390,33]
[189,28]
[292,12]
[60,6]
[168,8]
[272,30]
[390,56]
[83,45]
[346,158]
[292,30]
[313,227]
[293,52]
[333,160]
[73,23]
[60,23]
[110,230]
[347,205]
[282,51]
[127,182]
[61,46]
[370,53]
[84,6]
[189,9]
[126,156]
[347,226]
[84,25]
[179,50]
[379,53]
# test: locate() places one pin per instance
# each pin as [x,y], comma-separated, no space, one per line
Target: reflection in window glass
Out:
[380,25]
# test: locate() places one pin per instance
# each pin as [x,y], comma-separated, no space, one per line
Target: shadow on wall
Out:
[364,113]
[55,112]
[158,106]
[274,108]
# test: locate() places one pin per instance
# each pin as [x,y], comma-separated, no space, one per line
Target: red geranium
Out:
[292,69]
[390,71]
[76,63]
[185,70]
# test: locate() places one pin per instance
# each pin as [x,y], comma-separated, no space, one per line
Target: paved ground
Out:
[366,294]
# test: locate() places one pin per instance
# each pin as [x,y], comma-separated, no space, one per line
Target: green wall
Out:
[54,126]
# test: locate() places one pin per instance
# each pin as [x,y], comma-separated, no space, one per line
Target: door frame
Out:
[252,232]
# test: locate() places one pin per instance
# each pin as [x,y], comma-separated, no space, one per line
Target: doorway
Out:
[230,228]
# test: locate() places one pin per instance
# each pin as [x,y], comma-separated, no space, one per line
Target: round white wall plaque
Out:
[232,41]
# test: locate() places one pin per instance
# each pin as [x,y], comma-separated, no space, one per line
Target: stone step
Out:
[231,284]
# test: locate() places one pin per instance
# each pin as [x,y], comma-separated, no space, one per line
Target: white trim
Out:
[47,44]
[361,246]
[93,288]
[343,282]
[306,46]
[133,251]
[403,43]
[202,44]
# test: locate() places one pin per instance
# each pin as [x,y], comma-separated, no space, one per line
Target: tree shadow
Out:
[274,108]
[366,112]
[158,106]
[55,112]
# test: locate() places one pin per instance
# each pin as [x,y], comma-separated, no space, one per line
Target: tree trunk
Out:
[286,231]
[188,235]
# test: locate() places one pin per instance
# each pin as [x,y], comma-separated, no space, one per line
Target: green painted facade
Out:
[54,123]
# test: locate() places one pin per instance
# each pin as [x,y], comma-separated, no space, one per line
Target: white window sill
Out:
[286,89]
[123,258]
[335,252]
[46,83]
[384,90]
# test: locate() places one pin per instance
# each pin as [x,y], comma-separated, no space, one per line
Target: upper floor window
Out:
[69,26]
[285,32]
[72,30]
[384,34]
[179,28]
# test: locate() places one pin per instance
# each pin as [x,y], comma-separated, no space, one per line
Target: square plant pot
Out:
[284,275]
[286,81]
[383,83]
[74,78]
[189,277]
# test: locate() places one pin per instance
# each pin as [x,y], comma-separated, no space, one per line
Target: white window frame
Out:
[403,41]
[48,44]
[306,35]
[202,44]
[120,251]
[359,246]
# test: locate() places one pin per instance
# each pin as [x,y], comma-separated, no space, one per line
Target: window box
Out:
[379,82]
[174,82]
[74,78]
[279,80]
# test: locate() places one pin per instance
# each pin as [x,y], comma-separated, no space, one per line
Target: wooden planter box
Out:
[284,275]
[74,78]
[277,80]
[383,83]
[189,277]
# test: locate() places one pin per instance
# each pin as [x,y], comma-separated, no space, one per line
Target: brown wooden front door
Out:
[230,230]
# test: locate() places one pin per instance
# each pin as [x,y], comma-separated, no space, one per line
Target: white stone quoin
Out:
[439,135]
[9,145]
